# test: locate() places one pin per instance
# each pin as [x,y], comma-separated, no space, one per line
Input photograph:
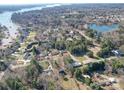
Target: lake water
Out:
[103,28]
[5,19]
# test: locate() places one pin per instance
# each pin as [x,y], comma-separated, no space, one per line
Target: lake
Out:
[103,28]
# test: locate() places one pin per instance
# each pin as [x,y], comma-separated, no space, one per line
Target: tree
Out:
[37,65]
[77,47]
[95,86]
[90,54]
[45,83]
[98,38]
[15,84]
[68,65]
[51,85]
[2,66]
[107,43]
[33,70]
[68,60]
[94,67]
[60,45]
[3,86]
[72,70]
[88,81]
[104,52]
[116,66]
[78,75]
[91,33]
[107,46]
[85,69]
[35,51]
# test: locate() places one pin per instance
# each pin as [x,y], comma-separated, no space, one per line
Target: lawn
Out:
[80,58]
[69,84]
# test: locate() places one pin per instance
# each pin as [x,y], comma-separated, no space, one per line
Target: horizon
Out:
[54,3]
[32,2]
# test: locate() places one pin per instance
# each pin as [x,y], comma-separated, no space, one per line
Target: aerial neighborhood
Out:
[65,47]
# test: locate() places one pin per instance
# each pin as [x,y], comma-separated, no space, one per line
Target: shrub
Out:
[90,54]
[2,66]
[95,86]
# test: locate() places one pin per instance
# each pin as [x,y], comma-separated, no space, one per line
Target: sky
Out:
[57,1]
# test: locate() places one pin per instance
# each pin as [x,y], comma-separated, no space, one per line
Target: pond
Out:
[103,28]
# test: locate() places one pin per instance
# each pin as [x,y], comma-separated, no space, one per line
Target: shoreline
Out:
[8,41]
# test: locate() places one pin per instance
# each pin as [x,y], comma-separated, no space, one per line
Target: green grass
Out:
[80,58]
